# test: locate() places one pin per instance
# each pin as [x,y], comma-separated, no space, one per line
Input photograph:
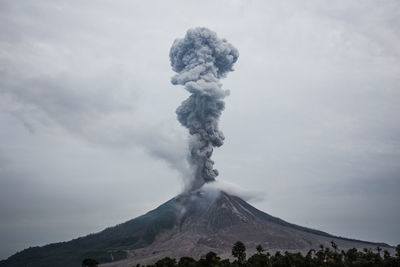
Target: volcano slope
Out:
[188,225]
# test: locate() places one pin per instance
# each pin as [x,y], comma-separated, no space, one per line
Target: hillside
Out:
[187,225]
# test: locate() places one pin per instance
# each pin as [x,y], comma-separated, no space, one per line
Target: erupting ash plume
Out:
[201,59]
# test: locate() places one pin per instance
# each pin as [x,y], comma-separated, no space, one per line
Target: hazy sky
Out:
[89,136]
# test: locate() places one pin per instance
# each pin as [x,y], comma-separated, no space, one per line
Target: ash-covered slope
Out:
[187,225]
[212,221]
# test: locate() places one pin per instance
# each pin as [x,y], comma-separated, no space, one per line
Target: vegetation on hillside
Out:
[322,257]
[109,245]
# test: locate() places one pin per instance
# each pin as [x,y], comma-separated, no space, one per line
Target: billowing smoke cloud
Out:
[201,59]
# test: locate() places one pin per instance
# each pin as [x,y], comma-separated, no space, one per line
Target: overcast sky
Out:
[89,136]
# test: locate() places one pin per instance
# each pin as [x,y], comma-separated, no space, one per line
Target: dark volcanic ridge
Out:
[188,225]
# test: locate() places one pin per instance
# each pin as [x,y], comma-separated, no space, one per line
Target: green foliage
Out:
[258,260]
[90,263]
[211,259]
[187,262]
[166,262]
[239,252]
[259,249]
[325,257]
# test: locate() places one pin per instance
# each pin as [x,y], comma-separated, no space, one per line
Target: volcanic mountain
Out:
[190,224]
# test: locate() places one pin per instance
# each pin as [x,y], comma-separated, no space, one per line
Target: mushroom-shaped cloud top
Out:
[202,48]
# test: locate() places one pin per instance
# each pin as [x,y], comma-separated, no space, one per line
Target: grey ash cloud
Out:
[201,59]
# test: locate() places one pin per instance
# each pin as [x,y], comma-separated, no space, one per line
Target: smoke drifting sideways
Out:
[200,60]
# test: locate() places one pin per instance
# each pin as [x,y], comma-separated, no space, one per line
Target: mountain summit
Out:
[190,224]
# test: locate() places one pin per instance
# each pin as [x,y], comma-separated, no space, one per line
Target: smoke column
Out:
[200,60]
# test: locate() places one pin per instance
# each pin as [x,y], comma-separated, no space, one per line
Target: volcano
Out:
[190,224]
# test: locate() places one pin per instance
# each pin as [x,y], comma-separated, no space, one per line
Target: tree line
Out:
[324,256]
